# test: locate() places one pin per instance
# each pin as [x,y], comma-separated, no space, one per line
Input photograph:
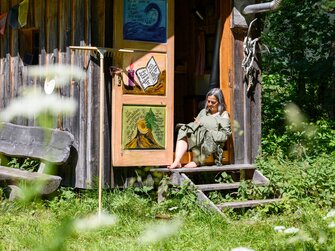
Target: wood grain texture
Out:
[11,176]
[36,142]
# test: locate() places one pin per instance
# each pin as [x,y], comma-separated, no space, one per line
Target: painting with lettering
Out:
[145,20]
[143,127]
[145,73]
[148,75]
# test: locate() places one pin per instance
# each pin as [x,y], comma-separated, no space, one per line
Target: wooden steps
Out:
[218,186]
[223,186]
[248,203]
[240,172]
[205,169]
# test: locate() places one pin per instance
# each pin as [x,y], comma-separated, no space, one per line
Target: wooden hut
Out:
[197,44]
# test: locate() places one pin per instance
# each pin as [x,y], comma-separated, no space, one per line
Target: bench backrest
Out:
[50,145]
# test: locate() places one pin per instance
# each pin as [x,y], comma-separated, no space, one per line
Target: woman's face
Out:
[212,104]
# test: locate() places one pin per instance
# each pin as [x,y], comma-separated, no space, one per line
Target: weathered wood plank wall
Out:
[62,23]
[84,125]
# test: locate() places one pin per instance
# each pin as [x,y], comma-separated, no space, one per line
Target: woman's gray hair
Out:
[217,93]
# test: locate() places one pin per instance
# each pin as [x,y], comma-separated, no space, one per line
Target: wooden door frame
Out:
[227,67]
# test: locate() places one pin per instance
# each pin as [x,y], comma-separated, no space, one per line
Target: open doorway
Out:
[195,33]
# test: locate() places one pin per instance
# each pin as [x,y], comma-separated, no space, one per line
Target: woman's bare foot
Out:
[191,164]
[174,165]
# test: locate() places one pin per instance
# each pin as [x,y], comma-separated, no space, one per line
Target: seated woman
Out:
[206,135]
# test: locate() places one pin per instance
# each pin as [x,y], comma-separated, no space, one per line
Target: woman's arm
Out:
[200,115]
[224,131]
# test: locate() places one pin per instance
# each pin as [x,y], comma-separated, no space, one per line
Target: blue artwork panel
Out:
[145,20]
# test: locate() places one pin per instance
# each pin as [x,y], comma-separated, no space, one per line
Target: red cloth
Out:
[3,21]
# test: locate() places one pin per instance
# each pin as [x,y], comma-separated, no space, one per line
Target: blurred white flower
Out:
[242,249]
[330,214]
[279,228]
[160,231]
[173,208]
[62,73]
[331,224]
[33,102]
[94,222]
[291,230]
[237,128]
[301,237]
[294,115]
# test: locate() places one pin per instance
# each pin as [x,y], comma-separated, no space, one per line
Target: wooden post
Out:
[101,130]
[101,115]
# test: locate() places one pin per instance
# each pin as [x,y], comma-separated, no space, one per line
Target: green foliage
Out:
[328,5]
[311,181]
[276,93]
[224,178]
[26,164]
[300,36]
[309,141]
[182,198]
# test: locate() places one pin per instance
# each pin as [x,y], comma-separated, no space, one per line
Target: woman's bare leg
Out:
[191,164]
[181,148]
[196,157]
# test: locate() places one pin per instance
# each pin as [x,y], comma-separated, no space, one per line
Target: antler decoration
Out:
[249,62]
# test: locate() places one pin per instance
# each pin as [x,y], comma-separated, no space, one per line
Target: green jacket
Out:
[206,135]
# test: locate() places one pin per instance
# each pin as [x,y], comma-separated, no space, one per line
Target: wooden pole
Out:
[101,126]
[101,114]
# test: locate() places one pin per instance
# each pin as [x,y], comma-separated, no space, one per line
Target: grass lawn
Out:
[139,223]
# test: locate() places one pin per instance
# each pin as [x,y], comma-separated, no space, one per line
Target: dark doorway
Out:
[195,32]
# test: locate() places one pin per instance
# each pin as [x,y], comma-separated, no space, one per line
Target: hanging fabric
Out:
[13,17]
[3,20]
[23,13]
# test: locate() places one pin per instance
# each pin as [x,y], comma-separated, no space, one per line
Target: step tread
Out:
[248,203]
[233,167]
[223,186]
[218,186]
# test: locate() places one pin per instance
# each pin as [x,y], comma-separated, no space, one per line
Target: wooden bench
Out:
[54,148]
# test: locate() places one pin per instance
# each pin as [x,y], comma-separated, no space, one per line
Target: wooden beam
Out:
[207,169]
[51,25]
[64,24]
[14,35]
[205,202]
[98,23]
[227,66]
[249,203]
[4,7]
[39,19]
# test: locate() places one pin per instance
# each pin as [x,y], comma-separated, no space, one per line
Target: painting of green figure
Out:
[143,127]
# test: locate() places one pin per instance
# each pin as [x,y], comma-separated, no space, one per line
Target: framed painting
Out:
[145,20]
[144,73]
[143,127]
